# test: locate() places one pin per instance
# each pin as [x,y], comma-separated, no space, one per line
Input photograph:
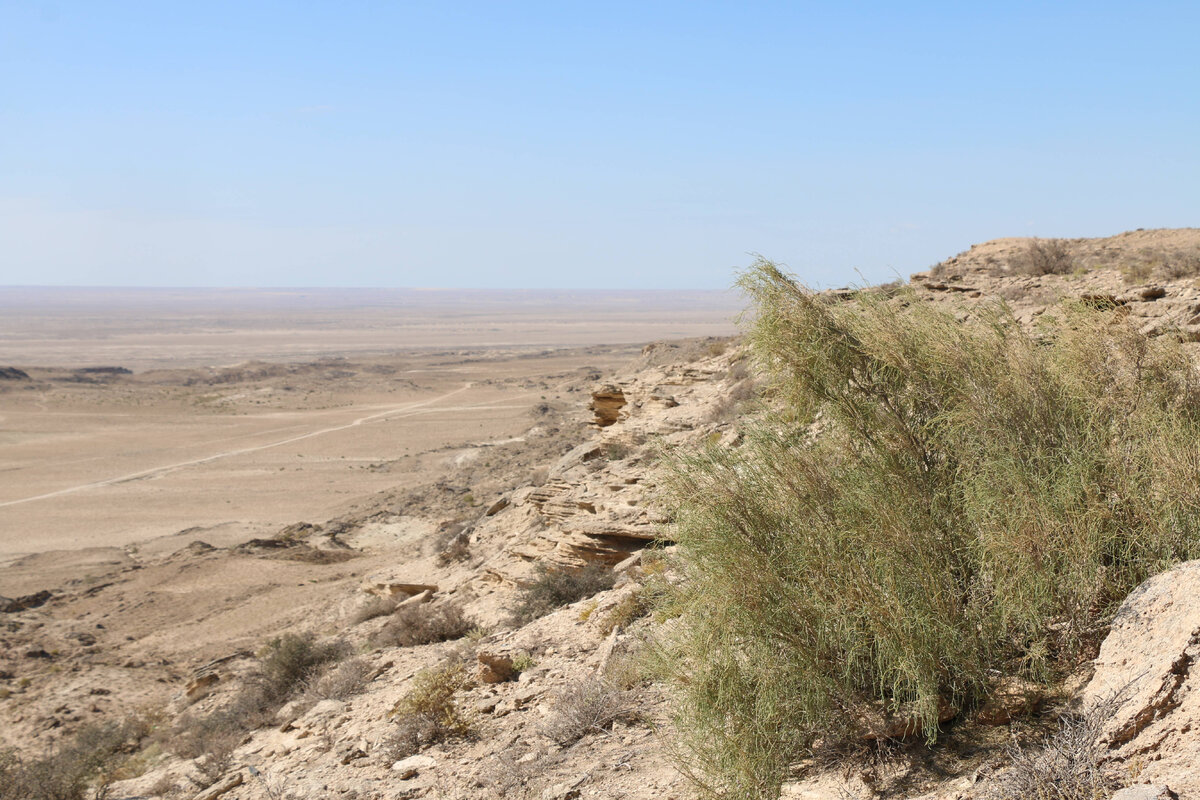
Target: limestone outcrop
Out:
[607,402]
[1146,681]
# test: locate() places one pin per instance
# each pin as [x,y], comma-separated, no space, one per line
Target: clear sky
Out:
[568,144]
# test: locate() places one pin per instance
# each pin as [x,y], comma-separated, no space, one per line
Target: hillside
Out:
[458,681]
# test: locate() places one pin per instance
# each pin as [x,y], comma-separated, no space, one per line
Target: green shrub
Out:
[290,660]
[555,588]
[429,712]
[971,498]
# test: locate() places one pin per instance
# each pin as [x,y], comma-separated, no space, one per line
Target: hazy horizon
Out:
[634,145]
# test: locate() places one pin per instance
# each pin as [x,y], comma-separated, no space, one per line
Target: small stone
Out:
[220,787]
[412,766]
[1145,792]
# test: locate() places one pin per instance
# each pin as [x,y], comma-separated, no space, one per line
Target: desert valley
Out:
[461,555]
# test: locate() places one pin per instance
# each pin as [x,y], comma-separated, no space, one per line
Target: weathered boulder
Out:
[494,668]
[1145,792]
[1145,680]
[607,402]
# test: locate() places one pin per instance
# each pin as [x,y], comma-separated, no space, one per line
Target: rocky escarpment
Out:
[1149,275]
[595,504]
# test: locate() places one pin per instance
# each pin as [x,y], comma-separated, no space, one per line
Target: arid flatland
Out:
[243,411]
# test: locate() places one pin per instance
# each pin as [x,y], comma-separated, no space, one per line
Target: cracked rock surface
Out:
[1147,669]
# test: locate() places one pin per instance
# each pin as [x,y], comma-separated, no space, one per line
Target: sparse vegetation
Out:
[453,545]
[82,767]
[1180,265]
[1067,765]
[414,625]
[374,608]
[287,665]
[632,607]
[287,662]
[1047,257]
[972,499]
[430,713]
[587,706]
[523,661]
[342,681]
[555,588]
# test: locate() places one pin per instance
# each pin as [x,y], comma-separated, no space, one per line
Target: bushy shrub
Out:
[429,712]
[1048,257]
[290,660]
[342,681]
[972,498]
[418,624]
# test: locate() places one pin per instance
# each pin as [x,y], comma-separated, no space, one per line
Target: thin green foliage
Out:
[933,503]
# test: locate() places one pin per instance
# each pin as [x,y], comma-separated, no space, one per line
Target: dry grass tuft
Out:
[1067,766]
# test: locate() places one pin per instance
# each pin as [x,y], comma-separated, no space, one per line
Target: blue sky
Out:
[609,145]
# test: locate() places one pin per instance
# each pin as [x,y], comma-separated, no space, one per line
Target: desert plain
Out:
[155,417]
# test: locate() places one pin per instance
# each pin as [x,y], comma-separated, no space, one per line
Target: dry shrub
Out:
[1047,257]
[80,768]
[418,624]
[288,661]
[1067,766]
[339,683]
[588,706]
[429,713]
[216,760]
[730,404]
[455,548]
[555,588]
[373,608]
[286,665]
[1180,265]
[978,501]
